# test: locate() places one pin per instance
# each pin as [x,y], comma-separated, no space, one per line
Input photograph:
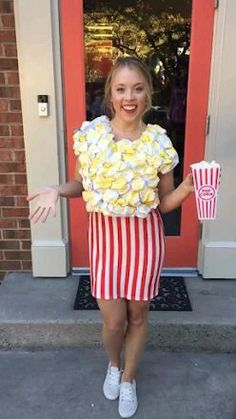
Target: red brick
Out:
[13,78]
[13,190]
[18,255]
[8,63]
[7,201]
[17,130]
[26,265]
[6,155]
[7,179]
[18,155]
[9,91]
[7,36]
[15,212]
[25,244]
[9,244]
[12,167]
[2,75]
[4,130]
[6,6]
[8,21]
[2,256]
[17,234]
[2,51]
[10,51]
[12,142]
[5,223]
[15,105]
[10,117]
[20,179]
[23,223]
[4,105]
[21,201]
[10,265]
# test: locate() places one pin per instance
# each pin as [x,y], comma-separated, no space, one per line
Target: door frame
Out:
[181,251]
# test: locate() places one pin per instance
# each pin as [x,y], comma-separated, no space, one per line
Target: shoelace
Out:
[127,393]
[114,377]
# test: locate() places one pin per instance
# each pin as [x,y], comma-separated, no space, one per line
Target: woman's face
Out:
[128,94]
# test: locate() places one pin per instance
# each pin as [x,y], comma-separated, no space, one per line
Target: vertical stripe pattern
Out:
[206,181]
[126,256]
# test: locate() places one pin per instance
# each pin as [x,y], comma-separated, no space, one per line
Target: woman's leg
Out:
[135,337]
[114,314]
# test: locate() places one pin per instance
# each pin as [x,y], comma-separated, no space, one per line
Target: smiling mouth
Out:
[129,108]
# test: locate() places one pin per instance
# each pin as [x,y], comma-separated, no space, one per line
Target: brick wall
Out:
[15,254]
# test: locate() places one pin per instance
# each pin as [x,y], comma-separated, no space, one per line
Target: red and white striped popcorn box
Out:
[206,181]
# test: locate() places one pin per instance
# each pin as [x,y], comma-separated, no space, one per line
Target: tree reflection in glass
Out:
[158,32]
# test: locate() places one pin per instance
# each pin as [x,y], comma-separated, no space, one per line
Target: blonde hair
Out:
[133,63]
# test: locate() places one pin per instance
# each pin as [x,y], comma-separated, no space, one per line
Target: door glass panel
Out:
[158,32]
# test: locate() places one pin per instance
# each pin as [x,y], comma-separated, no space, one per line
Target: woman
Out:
[124,172]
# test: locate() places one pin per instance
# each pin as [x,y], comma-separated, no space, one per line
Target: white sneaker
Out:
[111,386]
[128,399]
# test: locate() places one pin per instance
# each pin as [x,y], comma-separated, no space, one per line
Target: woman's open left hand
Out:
[48,197]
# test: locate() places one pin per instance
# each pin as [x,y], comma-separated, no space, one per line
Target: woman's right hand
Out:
[48,197]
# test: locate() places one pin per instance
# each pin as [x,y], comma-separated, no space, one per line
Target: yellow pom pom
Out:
[119,183]
[79,136]
[102,182]
[138,184]
[148,196]
[132,198]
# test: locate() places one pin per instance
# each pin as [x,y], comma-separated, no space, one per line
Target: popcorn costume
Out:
[120,180]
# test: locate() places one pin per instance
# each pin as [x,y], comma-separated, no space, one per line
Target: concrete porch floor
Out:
[38,313]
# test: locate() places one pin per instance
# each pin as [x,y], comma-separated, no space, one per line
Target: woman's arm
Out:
[171,198]
[73,188]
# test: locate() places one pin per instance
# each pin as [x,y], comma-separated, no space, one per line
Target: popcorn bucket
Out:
[206,181]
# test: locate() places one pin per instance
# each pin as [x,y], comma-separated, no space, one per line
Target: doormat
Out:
[172,296]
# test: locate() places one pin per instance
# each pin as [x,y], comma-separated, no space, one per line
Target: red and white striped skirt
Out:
[126,256]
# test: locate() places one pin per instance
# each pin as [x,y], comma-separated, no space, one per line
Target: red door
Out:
[181,250]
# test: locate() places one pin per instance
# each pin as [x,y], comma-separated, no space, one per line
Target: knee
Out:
[114,326]
[138,318]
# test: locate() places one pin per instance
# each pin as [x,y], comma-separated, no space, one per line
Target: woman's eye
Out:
[120,89]
[139,89]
